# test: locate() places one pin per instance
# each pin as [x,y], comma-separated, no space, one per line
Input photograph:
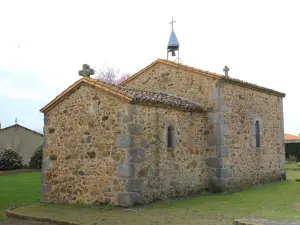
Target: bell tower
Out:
[173,44]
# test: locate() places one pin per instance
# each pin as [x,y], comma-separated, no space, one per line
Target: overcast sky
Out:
[43,44]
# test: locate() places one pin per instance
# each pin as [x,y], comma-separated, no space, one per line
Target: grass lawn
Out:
[18,189]
[292,165]
[279,201]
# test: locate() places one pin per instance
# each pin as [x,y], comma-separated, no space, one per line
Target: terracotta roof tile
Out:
[158,98]
[290,137]
[131,95]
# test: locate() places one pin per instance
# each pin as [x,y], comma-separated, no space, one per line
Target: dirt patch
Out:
[297,206]
[9,172]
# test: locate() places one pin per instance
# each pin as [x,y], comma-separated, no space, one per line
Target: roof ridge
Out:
[91,81]
[132,95]
[205,72]
[26,128]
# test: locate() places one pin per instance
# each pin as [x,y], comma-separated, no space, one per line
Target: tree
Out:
[37,158]
[111,75]
[124,77]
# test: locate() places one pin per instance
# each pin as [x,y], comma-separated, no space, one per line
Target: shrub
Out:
[10,160]
[292,150]
[37,158]
[25,166]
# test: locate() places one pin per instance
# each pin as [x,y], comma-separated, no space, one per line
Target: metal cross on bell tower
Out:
[173,44]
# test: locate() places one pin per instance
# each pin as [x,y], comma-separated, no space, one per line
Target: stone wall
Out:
[174,80]
[159,172]
[100,149]
[245,164]
[234,162]
[80,152]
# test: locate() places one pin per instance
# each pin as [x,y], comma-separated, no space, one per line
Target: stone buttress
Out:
[135,154]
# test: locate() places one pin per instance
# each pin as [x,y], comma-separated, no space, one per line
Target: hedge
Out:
[292,150]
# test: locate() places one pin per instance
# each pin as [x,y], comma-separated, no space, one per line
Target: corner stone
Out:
[45,143]
[45,189]
[126,170]
[127,119]
[134,129]
[215,162]
[217,185]
[136,155]
[46,164]
[132,110]
[43,177]
[128,199]
[125,141]
[216,139]
[222,151]
[134,185]
[223,173]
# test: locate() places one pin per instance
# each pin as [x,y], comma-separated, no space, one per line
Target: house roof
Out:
[130,95]
[291,138]
[206,73]
[18,125]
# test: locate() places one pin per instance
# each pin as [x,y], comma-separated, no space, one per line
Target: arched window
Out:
[257,133]
[170,137]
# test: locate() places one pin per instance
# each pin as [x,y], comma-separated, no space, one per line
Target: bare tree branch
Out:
[111,75]
[124,77]
[108,75]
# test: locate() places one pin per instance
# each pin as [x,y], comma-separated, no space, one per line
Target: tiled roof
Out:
[206,73]
[158,98]
[131,95]
[290,137]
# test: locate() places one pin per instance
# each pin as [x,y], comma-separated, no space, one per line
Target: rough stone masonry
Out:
[168,131]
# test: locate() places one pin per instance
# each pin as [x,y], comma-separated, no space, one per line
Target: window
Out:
[170,137]
[257,134]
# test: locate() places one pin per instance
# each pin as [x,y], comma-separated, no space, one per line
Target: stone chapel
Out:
[170,130]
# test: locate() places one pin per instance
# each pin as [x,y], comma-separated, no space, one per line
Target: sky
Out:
[43,44]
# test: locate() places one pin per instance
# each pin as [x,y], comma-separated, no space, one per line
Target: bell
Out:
[173,53]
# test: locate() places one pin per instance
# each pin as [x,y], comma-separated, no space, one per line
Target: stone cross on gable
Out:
[86,71]
[226,70]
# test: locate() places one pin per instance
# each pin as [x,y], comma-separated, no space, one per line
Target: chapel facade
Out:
[170,130]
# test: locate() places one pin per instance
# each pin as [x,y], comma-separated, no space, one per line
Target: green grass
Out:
[291,165]
[279,201]
[18,189]
[293,174]
[275,201]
